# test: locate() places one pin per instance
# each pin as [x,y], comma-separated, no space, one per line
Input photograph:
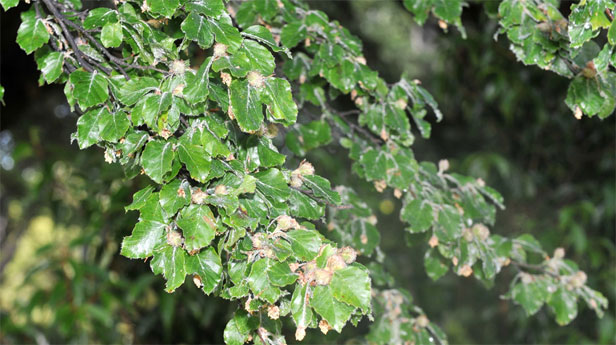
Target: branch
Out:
[78,53]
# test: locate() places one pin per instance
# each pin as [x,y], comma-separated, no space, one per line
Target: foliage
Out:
[579,47]
[226,209]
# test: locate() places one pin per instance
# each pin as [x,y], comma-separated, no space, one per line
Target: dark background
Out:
[62,216]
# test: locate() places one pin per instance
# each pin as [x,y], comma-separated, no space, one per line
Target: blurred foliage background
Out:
[62,279]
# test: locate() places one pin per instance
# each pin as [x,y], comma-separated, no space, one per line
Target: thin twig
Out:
[71,41]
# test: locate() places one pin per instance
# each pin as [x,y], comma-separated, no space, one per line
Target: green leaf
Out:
[303,206]
[7,4]
[157,158]
[259,283]
[259,58]
[88,130]
[292,34]
[611,33]
[32,33]
[51,66]
[198,226]
[174,195]
[212,8]
[418,214]
[263,35]
[450,224]
[308,136]
[145,237]
[206,264]
[584,93]
[197,85]
[171,261]
[300,308]
[150,107]
[272,184]
[267,9]
[321,188]
[277,96]
[239,327]
[225,32]
[99,17]
[351,285]
[112,127]
[435,265]
[196,159]
[133,90]
[564,305]
[112,35]
[151,210]
[280,274]
[246,105]
[448,10]
[530,295]
[163,7]
[305,243]
[139,198]
[334,312]
[90,88]
[197,28]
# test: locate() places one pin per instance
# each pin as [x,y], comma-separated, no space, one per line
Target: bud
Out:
[526,278]
[397,193]
[174,238]
[226,78]
[181,192]
[363,238]
[197,281]
[348,254]
[380,185]
[273,312]
[401,103]
[578,113]
[257,240]
[272,131]
[442,24]
[324,326]
[296,180]
[305,168]
[578,279]
[285,223]
[255,79]
[433,241]
[422,321]
[178,90]
[247,304]
[443,165]
[454,261]
[335,262]
[481,182]
[198,196]
[559,253]
[219,50]
[178,67]
[465,271]
[221,189]
[467,234]
[323,277]
[481,231]
[300,333]
[372,219]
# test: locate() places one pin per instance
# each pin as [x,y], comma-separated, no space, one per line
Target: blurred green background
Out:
[63,280]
